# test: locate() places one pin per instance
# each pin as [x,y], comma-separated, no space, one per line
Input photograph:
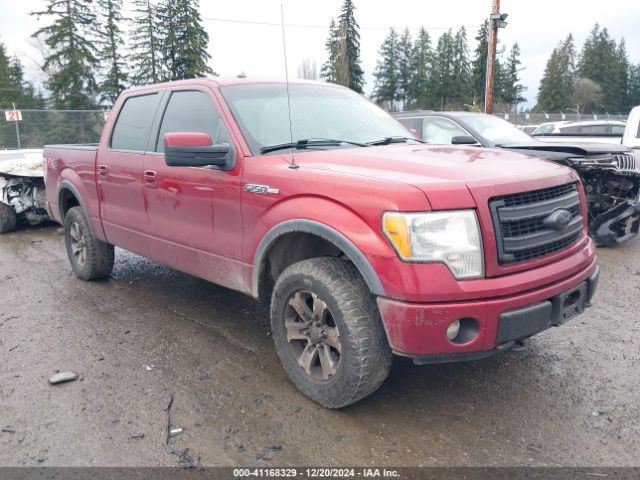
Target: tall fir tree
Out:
[621,76]
[329,69]
[146,48]
[71,62]
[442,78]
[479,64]
[554,93]
[184,40]
[405,67]
[602,61]
[14,89]
[387,88]
[461,70]
[110,54]
[511,89]
[420,87]
[349,28]
[633,91]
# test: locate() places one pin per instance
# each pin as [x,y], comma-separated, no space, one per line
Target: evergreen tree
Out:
[461,69]
[420,86]
[479,64]
[145,44]
[184,40]
[512,90]
[555,89]
[621,77]
[602,61]
[442,78]
[350,30]
[330,69]
[71,62]
[405,67]
[14,89]
[633,95]
[110,45]
[387,87]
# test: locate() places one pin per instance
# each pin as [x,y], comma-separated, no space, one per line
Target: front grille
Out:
[527,226]
[626,162]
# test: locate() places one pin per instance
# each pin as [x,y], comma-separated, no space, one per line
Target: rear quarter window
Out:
[131,131]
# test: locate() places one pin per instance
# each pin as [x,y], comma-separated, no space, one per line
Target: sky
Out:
[257,50]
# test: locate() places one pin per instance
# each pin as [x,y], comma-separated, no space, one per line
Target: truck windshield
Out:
[497,130]
[317,112]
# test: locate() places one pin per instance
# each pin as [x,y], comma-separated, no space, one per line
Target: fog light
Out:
[453,330]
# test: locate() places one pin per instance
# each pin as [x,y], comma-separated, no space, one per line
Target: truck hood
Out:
[571,149]
[447,175]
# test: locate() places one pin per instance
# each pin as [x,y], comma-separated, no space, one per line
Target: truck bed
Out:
[76,165]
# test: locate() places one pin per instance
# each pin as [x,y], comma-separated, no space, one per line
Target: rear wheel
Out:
[7,218]
[90,258]
[328,332]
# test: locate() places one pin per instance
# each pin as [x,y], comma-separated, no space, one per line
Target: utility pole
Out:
[497,20]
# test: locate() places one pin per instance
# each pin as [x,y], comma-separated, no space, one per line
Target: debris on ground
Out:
[14,347]
[267,452]
[185,459]
[136,435]
[148,367]
[8,429]
[176,431]
[63,377]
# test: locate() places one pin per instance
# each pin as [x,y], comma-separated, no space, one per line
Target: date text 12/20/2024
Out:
[315,473]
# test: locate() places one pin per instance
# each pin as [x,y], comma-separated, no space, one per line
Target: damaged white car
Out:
[22,192]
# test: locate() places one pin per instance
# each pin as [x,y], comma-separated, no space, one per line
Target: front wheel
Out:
[90,258]
[328,333]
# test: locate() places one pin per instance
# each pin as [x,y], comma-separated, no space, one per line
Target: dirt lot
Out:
[570,399]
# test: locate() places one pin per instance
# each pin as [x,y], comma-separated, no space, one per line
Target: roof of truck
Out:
[238,80]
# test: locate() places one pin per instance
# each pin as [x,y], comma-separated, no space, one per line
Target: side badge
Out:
[261,189]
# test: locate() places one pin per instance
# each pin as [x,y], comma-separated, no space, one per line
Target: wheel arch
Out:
[68,197]
[327,238]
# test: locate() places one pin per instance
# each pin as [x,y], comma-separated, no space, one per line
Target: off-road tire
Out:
[365,358]
[7,218]
[99,256]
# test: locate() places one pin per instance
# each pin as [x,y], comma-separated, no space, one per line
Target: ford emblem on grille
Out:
[558,220]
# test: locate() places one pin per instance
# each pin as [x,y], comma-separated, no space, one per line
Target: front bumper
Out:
[617,225]
[418,330]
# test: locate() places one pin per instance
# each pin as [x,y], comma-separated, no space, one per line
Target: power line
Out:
[300,25]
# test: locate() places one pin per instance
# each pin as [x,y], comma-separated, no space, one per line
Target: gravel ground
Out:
[149,332]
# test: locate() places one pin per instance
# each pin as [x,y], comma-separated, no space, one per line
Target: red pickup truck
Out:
[366,241]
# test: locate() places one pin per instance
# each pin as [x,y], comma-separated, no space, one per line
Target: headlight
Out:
[450,237]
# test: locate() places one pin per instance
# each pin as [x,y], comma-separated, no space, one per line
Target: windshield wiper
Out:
[394,139]
[309,143]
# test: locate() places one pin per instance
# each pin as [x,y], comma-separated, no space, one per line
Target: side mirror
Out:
[463,140]
[191,149]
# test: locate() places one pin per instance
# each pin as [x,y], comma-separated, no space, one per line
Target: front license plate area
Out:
[569,304]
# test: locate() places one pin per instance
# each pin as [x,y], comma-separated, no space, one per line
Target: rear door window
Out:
[131,131]
[192,111]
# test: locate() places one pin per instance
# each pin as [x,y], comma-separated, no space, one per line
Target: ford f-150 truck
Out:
[367,243]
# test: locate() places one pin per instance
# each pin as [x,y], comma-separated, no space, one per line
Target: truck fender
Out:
[331,235]
[93,221]
[66,185]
